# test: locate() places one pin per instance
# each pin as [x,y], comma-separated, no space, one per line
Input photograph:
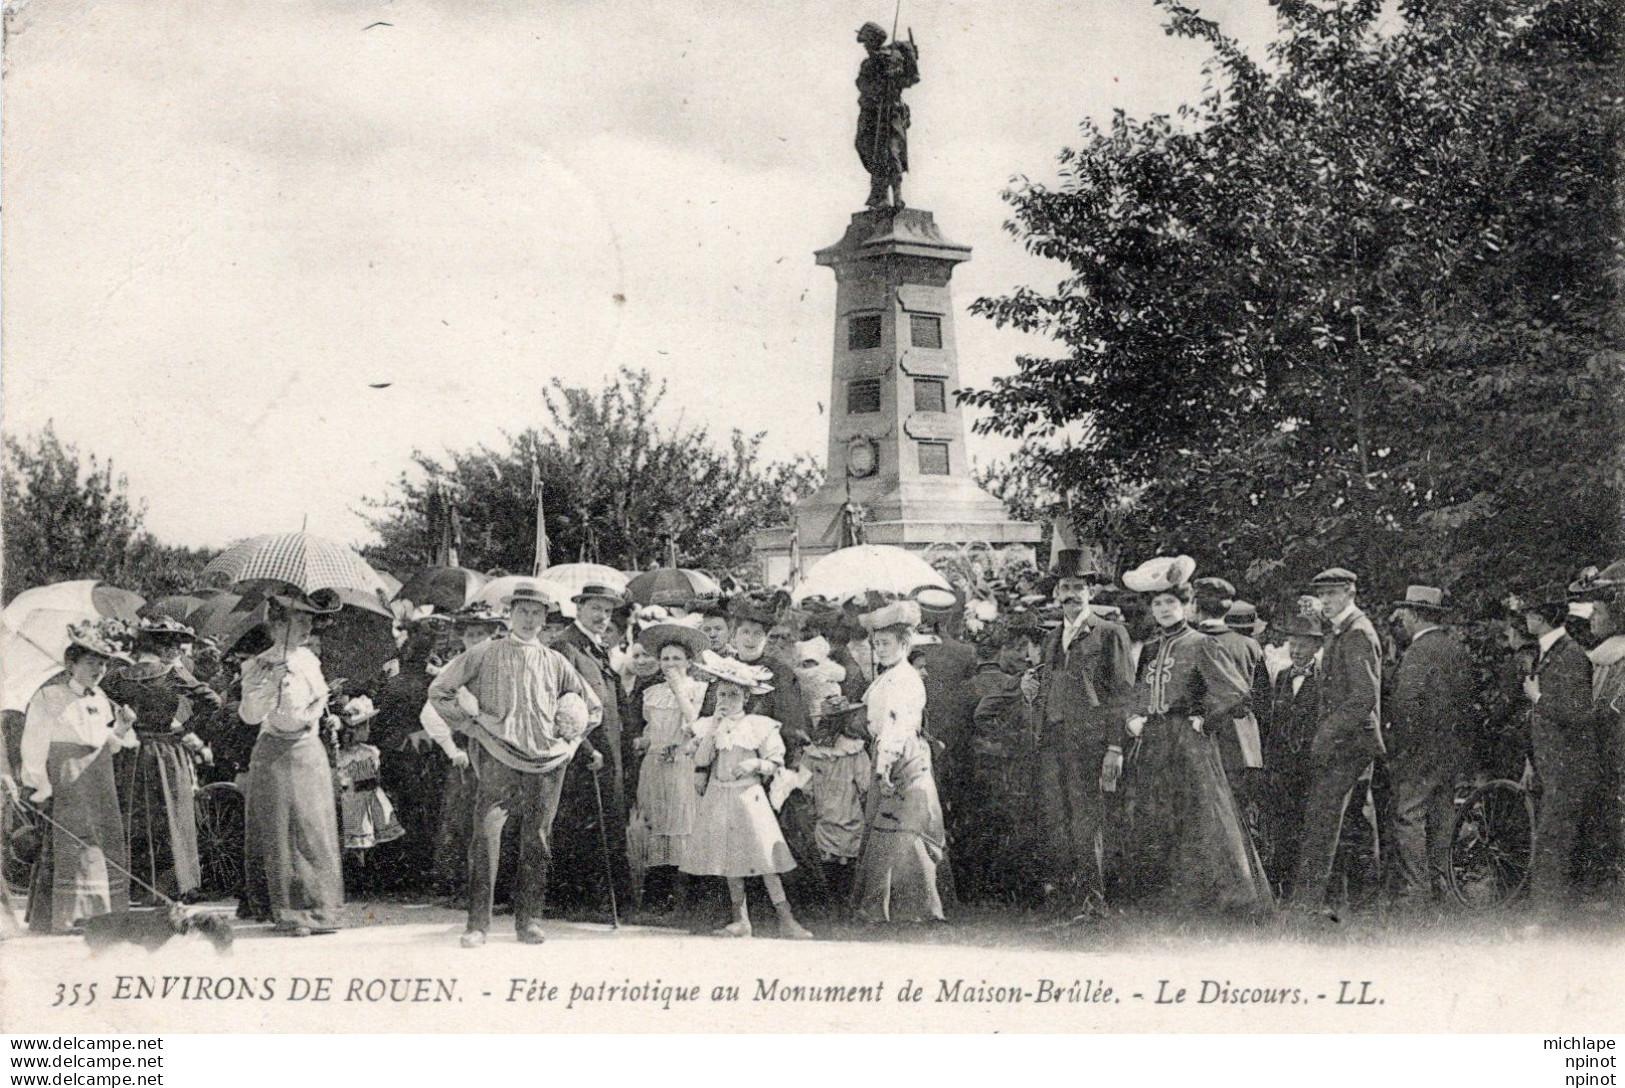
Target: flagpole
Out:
[541,519]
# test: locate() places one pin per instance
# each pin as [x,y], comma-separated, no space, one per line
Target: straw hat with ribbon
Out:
[753,678]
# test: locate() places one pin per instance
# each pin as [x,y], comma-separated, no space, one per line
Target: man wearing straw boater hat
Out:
[1429,701]
[1348,727]
[533,710]
[1080,699]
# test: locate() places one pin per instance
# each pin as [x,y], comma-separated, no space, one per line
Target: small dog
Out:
[152,929]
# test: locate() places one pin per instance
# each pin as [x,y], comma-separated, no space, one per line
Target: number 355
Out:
[79,993]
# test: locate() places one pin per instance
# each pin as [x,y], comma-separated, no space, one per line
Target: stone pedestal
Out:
[896,435]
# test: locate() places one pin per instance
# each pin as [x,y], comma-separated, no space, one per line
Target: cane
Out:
[609,865]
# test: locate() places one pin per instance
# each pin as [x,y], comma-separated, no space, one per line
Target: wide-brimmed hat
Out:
[570,716]
[1548,593]
[164,627]
[595,592]
[657,636]
[1428,599]
[1243,616]
[1599,585]
[1291,623]
[935,602]
[321,602]
[358,710]
[1160,574]
[836,706]
[108,638]
[478,614]
[812,649]
[1334,577]
[904,613]
[730,670]
[754,608]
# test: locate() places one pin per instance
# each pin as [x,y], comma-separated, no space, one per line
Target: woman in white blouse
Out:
[904,838]
[292,872]
[69,737]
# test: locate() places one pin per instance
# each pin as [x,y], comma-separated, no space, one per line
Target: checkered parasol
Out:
[302,560]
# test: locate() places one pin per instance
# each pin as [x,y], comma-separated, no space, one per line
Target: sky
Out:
[224,222]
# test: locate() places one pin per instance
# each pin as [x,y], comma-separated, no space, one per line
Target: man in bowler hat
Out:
[1430,698]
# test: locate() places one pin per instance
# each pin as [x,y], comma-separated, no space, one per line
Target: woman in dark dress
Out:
[1188,849]
[157,783]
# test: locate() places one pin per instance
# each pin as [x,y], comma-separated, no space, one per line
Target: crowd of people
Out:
[1074,748]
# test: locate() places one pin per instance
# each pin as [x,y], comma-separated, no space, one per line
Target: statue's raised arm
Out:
[882,141]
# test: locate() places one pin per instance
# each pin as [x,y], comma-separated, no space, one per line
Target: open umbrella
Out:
[302,560]
[568,579]
[178,607]
[34,631]
[359,639]
[446,588]
[879,568]
[356,641]
[674,586]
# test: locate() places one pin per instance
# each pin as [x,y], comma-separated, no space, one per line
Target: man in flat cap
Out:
[1431,696]
[1348,727]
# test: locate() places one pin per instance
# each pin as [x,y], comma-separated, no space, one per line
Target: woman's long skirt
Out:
[292,870]
[904,845]
[80,872]
[1188,849]
[158,788]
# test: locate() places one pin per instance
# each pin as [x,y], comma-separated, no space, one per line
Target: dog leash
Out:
[34,810]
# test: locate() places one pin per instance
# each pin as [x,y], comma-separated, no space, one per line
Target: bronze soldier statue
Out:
[882,117]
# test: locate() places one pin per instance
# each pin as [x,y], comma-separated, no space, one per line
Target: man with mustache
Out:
[1080,694]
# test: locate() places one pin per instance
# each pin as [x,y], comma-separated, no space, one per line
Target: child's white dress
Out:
[735,832]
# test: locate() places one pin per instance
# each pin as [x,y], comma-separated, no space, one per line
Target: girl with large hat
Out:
[70,735]
[1188,847]
[664,815]
[735,833]
[291,864]
[905,841]
[157,780]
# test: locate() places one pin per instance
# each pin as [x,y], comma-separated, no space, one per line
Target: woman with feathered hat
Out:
[157,782]
[70,735]
[1188,847]
[904,838]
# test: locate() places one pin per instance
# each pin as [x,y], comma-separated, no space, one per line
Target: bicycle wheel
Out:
[220,815]
[1492,845]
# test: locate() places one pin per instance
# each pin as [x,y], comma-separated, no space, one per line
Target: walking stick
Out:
[609,864]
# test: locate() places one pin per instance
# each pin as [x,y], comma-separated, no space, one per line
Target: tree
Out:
[70,516]
[617,487]
[63,518]
[1353,307]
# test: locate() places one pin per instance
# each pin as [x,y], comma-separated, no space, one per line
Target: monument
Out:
[897,469]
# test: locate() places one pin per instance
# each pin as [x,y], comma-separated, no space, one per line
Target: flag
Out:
[795,554]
